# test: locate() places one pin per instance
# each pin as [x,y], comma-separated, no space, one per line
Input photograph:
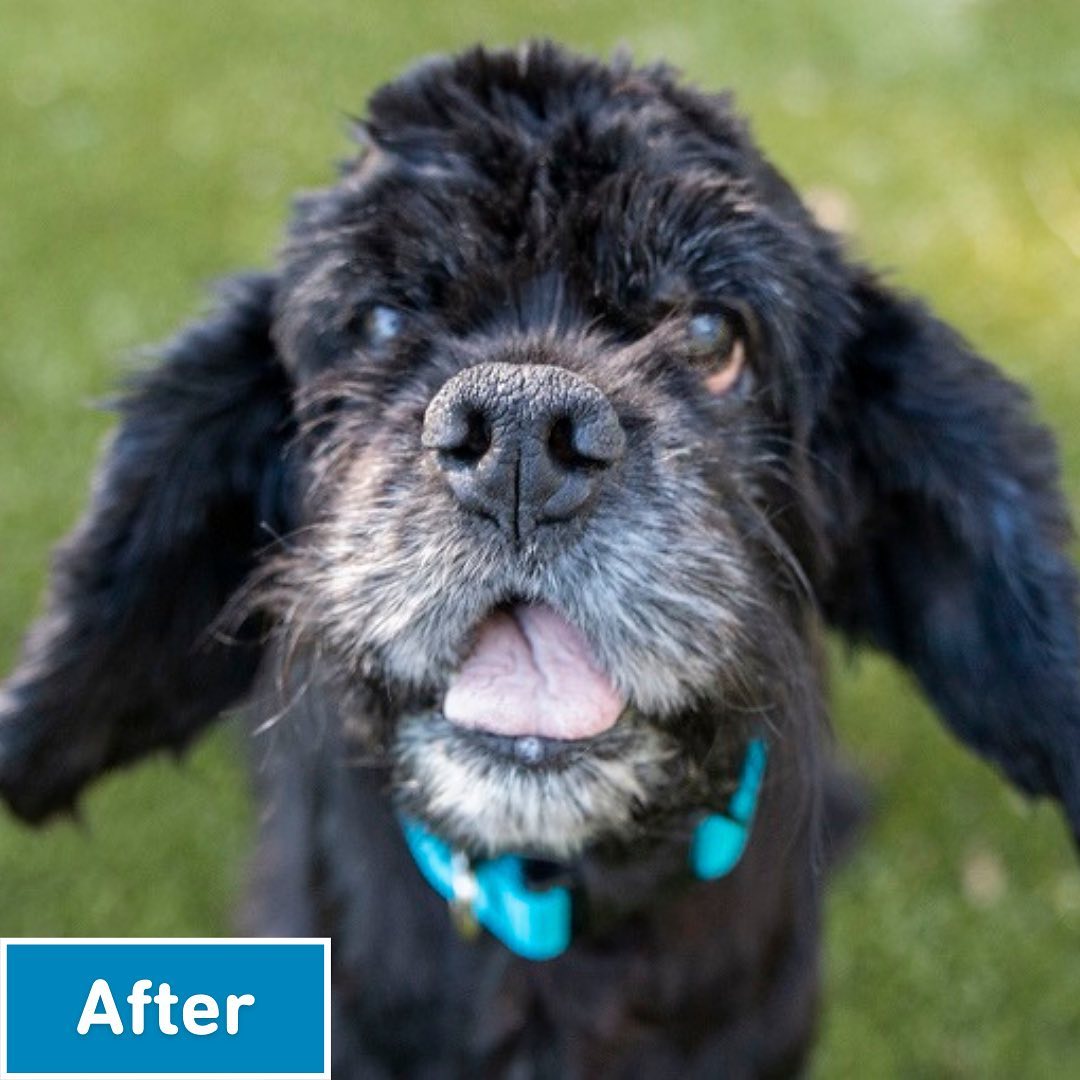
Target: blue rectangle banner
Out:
[165,1008]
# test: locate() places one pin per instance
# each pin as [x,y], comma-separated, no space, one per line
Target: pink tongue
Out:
[532,673]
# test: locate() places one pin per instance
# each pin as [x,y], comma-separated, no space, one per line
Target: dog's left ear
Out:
[949,532]
[126,658]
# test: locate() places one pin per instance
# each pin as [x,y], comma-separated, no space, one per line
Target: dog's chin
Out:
[492,794]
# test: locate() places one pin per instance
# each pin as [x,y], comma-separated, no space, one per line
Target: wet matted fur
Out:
[272,526]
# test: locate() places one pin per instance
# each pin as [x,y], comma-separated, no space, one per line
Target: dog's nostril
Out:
[560,442]
[563,451]
[475,442]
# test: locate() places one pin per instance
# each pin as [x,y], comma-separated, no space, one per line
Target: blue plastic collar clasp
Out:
[533,923]
[720,839]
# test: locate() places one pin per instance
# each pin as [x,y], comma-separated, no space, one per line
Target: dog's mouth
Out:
[533,748]
[530,680]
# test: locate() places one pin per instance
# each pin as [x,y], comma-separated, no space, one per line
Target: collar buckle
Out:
[463,893]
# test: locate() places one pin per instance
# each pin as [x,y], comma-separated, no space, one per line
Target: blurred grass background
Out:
[150,146]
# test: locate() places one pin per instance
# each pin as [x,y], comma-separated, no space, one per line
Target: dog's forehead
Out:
[499,151]
[485,172]
[631,222]
[541,123]
[496,108]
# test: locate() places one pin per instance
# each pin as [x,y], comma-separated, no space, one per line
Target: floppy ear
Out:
[125,658]
[949,530]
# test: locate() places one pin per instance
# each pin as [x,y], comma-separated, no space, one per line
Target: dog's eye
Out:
[710,333]
[378,325]
[715,347]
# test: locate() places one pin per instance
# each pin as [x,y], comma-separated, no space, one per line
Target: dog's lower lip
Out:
[531,751]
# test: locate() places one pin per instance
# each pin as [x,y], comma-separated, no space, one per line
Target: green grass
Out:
[149,146]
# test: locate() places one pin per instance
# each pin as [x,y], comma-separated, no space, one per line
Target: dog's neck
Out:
[536,920]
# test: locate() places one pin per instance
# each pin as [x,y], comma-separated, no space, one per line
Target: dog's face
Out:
[569,421]
[550,369]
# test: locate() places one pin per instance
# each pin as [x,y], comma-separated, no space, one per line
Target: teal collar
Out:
[536,923]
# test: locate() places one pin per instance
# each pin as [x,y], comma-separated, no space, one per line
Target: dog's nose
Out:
[524,444]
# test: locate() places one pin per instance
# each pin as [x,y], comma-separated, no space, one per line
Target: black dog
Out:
[515,501]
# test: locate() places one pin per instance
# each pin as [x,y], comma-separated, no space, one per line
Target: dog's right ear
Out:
[192,486]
